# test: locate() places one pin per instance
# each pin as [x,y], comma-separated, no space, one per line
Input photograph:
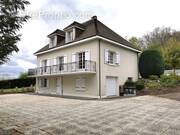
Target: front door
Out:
[59,86]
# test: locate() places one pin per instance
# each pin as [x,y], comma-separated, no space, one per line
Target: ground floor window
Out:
[81,84]
[44,82]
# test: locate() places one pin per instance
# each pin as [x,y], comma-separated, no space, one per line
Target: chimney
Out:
[94,18]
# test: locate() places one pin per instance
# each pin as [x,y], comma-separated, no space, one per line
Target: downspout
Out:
[99,68]
[138,64]
[99,48]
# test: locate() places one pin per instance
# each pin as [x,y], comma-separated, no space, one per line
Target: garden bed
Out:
[159,91]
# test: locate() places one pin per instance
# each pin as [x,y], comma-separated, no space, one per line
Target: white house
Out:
[86,60]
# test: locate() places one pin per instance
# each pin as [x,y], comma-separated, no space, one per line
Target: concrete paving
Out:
[43,115]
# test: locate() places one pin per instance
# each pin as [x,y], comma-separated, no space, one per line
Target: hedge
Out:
[8,84]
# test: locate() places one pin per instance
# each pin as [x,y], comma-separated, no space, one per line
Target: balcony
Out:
[67,68]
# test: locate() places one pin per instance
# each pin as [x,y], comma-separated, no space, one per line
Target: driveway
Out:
[36,115]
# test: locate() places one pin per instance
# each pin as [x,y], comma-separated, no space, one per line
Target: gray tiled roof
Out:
[58,31]
[92,28]
[75,24]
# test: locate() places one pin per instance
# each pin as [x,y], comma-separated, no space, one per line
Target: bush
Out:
[169,80]
[153,85]
[151,63]
[129,83]
[8,84]
[153,77]
[140,85]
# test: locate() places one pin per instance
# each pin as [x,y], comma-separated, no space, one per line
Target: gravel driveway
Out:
[36,115]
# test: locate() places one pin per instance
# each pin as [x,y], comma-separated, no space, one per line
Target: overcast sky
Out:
[126,17]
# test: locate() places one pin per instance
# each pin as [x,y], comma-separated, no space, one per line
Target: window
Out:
[81,57]
[61,63]
[53,41]
[44,82]
[81,84]
[44,65]
[111,57]
[69,36]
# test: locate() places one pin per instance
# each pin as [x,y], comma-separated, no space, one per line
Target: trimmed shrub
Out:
[151,63]
[8,84]
[129,83]
[140,85]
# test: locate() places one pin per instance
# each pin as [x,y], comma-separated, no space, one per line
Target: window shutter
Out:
[106,55]
[48,62]
[118,58]
[40,63]
[65,58]
[55,61]
[73,57]
[40,82]
[87,55]
[65,61]
[73,61]
[55,41]
[47,83]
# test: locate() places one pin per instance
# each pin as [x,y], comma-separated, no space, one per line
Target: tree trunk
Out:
[174,71]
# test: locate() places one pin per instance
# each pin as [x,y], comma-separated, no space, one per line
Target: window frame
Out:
[70,35]
[111,57]
[44,83]
[60,63]
[81,60]
[80,81]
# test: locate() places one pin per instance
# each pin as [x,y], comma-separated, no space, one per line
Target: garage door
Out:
[111,85]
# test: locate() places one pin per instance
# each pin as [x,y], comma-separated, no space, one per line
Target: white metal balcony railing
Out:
[83,66]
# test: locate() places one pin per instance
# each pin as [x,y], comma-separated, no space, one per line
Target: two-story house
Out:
[86,60]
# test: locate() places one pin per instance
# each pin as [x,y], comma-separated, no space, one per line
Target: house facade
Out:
[85,60]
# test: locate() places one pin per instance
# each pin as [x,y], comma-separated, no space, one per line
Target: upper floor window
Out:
[52,41]
[112,57]
[44,63]
[70,35]
[80,60]
[81,57]
[61,63]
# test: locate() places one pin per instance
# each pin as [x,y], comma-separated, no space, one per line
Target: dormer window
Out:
[70,35]
[52,41]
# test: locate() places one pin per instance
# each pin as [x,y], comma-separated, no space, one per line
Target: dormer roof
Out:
[75,24]
[57,32]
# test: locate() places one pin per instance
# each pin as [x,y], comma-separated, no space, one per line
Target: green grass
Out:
[16,90]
